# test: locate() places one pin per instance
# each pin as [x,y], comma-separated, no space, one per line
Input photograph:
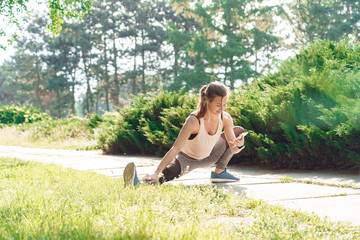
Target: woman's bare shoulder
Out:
[192,118]
[192,122]
[226,116]
[227,119]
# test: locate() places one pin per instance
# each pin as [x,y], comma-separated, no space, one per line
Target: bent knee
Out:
[238,130]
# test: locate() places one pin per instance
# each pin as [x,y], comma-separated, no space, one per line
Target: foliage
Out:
[42,131]
[15,115]
[93,121]
[69,128]
[58,10]
[172,46]
[43,201]
[307,114]
[333,20]
[150,125]
[228,32]
[161,121]
[122,134]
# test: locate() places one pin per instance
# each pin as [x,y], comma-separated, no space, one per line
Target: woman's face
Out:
[217,105]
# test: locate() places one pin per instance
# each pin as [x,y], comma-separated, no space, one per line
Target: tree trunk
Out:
[176,62]
[134,70]
[143,86]
[116,80]
[73,94]
[72,89]
[89,95]
[232,81]
[106,75]
[58,104]
[37,87]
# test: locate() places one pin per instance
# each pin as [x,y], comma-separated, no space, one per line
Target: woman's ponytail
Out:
[202,106]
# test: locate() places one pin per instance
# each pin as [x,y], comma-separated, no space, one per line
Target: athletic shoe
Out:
[130,175]
[224,176]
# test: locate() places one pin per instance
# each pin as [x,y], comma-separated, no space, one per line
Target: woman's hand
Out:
[240,140]
[152,178]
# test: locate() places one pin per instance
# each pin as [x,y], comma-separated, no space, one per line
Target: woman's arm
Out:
[233,141]
[191,125]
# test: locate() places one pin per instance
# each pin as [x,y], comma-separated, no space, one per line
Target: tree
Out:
[230,31]
[115,19]
[151,29]
[27,65]
[188,68]
[8,93]
[67,59]
[144,27]
[58,10]
[84,38]
[330,19]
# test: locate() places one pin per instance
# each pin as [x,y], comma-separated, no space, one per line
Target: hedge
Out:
[304,116]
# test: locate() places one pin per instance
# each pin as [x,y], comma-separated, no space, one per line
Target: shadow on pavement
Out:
[240,190]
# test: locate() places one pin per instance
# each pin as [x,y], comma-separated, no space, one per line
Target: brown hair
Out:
[207,94]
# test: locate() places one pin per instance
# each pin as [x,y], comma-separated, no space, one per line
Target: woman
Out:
[200,143]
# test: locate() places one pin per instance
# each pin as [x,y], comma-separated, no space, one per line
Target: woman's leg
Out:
[220,155]
[172,171]
[227,154]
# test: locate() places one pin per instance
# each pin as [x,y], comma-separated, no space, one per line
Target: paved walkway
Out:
[337,203]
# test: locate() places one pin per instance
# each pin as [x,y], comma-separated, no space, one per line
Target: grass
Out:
[290,179]
[40,136]
[41,201]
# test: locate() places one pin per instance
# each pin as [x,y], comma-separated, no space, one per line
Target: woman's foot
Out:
[223,176]
[130,175]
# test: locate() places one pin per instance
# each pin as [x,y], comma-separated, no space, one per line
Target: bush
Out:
[56,129]
[17,115]
[122,133]
[306,115]
[149,126]
[163,117]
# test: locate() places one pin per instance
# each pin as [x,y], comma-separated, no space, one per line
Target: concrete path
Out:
[336,203]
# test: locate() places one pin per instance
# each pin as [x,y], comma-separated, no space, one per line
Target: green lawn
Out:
[39,201]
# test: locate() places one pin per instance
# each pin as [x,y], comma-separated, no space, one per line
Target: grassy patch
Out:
[290,179]
[49,202]
[48,134]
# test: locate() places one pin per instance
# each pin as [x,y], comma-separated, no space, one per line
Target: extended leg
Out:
[172,171]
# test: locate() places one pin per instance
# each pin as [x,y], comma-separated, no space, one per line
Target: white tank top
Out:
[201,146]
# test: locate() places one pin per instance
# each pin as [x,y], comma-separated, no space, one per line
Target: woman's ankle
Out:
[219,170]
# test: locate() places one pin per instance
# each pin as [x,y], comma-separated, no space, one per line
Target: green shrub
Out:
[163,116]
[149,126]
[306,115]
[56,129]
[16,115]
[92,122]
[122,133]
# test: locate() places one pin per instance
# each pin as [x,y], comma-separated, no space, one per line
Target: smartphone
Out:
[242,135]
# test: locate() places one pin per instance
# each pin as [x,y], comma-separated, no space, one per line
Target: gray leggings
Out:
[182,164]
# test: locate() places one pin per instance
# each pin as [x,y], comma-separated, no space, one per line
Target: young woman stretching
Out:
[200,143]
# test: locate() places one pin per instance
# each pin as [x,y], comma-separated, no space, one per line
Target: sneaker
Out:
[130,175]
[224,176]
